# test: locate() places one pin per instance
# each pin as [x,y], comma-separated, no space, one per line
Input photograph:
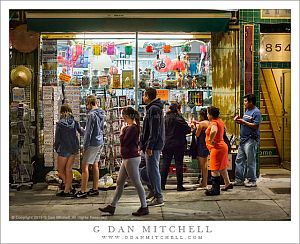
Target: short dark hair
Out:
[151,93]
[91,99]
[174,107]
[213,111]
[251,98]
[203,113]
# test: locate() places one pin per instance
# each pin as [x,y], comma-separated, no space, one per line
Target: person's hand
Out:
[240,121]
[149,152]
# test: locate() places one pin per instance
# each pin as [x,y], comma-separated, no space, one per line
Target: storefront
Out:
[116,55]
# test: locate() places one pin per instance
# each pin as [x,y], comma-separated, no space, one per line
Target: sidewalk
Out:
[270,200]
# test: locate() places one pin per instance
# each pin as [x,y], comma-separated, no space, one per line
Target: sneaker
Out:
[250,184]
[181,188]
[65,194]
[93,192]
[141,211]
[237,183]
[108,209]
[157,202]
[201,188]
[81,194]
[150,196]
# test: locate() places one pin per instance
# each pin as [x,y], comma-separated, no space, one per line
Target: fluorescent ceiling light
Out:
[105,36]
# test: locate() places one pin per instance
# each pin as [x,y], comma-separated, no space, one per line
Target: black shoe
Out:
[141,211]
[81,194]
[230,186]
[93,192]
[108,209]
[212,192]
[181,188]
[65,194]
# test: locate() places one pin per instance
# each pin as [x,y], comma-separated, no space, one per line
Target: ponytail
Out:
[137,119]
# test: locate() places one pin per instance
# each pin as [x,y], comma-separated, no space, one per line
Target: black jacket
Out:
[153,133]
[176,130]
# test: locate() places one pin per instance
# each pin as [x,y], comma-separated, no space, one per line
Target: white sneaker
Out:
[250,184]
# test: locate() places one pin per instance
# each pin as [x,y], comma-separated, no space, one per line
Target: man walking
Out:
[93,141]
[245,163]
[152,142]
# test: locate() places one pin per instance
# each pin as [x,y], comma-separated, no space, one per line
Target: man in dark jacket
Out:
[152,142]
[176,130]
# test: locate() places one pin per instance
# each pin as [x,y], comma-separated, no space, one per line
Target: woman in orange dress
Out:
[218,152]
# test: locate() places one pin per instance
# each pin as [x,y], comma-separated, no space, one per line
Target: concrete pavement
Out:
[270,200]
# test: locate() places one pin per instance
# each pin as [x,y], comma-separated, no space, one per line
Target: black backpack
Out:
[227,141]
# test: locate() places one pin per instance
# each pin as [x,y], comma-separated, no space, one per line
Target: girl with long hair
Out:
[129,138]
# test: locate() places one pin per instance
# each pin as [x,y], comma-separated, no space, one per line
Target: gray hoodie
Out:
[94,128]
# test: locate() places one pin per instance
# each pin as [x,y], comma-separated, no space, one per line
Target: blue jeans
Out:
[245,163]
[152,165]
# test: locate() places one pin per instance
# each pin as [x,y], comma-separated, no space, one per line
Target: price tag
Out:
[64,77]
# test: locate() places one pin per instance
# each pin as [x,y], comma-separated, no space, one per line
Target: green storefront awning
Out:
[129,21]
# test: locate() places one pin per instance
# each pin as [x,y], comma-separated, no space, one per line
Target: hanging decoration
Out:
[149,49]
[186,48]
[96,49]
[162,63]
[104,62]
[128,50]
[111,48]
[113,70]
[177,65]
[167,48]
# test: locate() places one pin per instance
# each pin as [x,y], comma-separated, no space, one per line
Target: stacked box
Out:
[48,110]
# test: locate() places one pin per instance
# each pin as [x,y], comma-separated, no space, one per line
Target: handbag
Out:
[227,141]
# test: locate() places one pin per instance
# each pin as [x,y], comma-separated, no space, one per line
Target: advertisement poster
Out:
[139,209]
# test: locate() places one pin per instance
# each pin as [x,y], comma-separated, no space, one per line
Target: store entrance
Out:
[117,67]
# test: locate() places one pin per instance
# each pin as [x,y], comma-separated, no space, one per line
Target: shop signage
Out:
[163,94]
[268,152]
[275,47]
[65,77]
[275,13]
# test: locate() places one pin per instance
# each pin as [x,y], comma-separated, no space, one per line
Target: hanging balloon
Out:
[104,62]
[111,49]
[149,49]
[128,50]
[162,63]
[167,48]
[96,49]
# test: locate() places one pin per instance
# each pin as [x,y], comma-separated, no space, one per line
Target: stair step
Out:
[269,161]
[268,142]
[268,151]
[266,133]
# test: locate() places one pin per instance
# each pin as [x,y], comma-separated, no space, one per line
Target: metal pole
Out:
[136,71]
[283,116]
